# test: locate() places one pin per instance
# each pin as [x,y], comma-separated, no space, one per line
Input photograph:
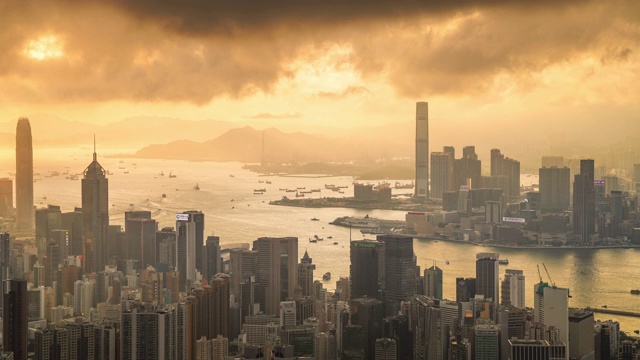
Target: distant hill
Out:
[246,144]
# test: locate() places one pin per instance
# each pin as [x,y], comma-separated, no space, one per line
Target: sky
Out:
[548,64]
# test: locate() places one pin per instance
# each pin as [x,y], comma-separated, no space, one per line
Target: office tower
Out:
[24,176]
[243,265]
[325,346]
[493,212]
[46,219]
[353,342]
[551,308]
[426,324]
[287,314]
[305,274]
[584,202]
[488,275]
[385,349]
[166,246]
[61,237]
[367,267]
[617,213]
[433,282]
[277,270]
[368,313]
[513,289]
[212,261]
[95,215]
[513,322]
[468,169]
[105,341]
[38,274]
[581,325]
[555,189]
[400,264]
[5,262]
[14,318]
[422,149]
[146,332]
[465,289]
[73,222]
[486,342]
[510,168]
[536,350]
[6,197]
[189,233]
[51,265]
[141,240]
[220,310]
[440,171]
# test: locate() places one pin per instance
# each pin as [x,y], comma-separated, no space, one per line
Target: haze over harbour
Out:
[591,275]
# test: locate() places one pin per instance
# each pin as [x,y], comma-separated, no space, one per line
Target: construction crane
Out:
[549,276]
[540,276]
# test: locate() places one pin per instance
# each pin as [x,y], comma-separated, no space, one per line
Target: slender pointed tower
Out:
[25,213]
[95,215]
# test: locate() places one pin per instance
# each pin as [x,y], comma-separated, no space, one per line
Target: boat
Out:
[335,243]
[164,196]
[315,219]
[126,172]
[299,195]
[260,181]
[636,331]
[326,276]
[258,192]
[268,182]
[161,173]
[196,187]
[261,190]
[635,292]
[329,237]
[503,261]
[231,175]
[171,176]
[313,240]
[317,237]
[446,262]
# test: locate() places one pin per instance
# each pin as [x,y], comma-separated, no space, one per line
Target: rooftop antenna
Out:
[95,157]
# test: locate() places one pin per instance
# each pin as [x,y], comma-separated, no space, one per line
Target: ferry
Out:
[326,276]
[635,292]
[171,176]
[313,240]
[315,219]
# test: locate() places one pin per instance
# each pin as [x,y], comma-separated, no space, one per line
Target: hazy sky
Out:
[321,62]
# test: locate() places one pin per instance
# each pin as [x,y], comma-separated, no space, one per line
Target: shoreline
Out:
[503,246]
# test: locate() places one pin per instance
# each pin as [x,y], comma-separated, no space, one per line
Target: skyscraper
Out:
[433,282]
[24,175]
[468,169]
[555,189]
[513,289]
[488,275]
[486,342]
[95,215]
[400,264]
[551,308]
[277,270]
[584,202]
[212,262]
[367,268]
[141,240]
[6,197]
[305,274]
[190,232]
[504,166]
[14,318]
[440,166]
[422,149]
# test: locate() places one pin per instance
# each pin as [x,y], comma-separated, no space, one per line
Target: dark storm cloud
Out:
[196,50]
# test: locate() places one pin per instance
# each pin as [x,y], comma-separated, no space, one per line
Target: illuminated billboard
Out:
[182,217]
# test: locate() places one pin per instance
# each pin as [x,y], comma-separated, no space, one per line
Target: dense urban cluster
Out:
[86,289]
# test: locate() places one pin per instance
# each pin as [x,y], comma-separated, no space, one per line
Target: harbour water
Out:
[232,211]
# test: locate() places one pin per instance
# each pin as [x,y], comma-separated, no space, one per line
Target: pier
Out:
[614,312]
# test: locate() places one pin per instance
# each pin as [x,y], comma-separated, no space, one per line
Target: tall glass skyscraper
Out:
[95,215]
[422,149]
[24,175]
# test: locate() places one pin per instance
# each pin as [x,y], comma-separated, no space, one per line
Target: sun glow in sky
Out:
[44,47]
